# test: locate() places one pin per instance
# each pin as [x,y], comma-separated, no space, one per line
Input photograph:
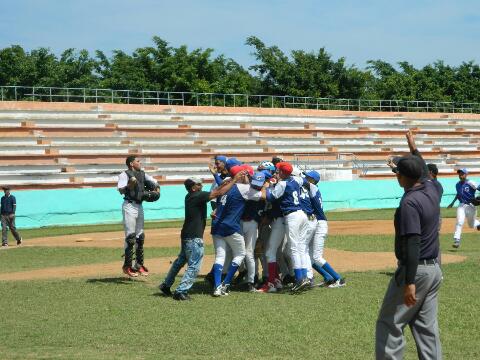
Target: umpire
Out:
[411,297]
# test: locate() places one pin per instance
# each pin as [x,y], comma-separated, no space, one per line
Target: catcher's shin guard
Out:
[129,244]
[139,251]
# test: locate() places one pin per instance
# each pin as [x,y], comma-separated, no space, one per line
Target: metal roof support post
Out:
[33,93]
[15,88]
[50,90]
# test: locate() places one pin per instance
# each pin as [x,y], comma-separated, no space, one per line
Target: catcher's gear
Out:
[476,201]
[150,194]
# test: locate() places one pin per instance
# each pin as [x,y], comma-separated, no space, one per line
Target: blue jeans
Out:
[191,253]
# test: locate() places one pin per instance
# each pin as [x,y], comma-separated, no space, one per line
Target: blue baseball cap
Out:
[258,179]
[314,175]
[464,170]
[221,158]
[231,162]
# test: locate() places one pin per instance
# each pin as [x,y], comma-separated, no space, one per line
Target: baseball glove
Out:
[151,193]
[476,201]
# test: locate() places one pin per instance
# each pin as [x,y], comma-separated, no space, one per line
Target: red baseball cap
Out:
[236,169]
[248,168]
[285,167]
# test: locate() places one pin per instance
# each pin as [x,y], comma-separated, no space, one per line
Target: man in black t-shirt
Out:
[411,297]
[191,251]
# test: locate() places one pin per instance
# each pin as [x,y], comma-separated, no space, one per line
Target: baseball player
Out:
[317,237]
[131,184]
[287,191]
[226,228]
[465,194]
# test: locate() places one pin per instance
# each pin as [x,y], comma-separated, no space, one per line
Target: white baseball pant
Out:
[133,219]
[275,240]
[236,243]
[318,243]
[296,226]
[465,211]
[309,235]
[250,233]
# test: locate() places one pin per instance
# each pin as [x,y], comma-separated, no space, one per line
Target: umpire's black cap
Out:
[410,166]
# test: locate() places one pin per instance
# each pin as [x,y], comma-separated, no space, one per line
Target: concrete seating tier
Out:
[72,145]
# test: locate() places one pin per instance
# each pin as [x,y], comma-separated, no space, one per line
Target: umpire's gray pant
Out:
[422,317]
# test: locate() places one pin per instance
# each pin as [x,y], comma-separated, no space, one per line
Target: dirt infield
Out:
[343,260]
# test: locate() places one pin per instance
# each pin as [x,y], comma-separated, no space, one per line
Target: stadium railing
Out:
[58,94]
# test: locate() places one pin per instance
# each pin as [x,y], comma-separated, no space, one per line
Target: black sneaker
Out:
[252,288]
[19,242]
[209,278]
[239,278]
[288,279]
[165,289]
[181,296]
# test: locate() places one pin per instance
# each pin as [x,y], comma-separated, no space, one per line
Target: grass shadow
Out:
[113,280]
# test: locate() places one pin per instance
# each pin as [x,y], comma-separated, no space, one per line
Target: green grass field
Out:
[116,318]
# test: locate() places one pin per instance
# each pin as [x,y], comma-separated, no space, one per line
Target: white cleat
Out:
[337,284]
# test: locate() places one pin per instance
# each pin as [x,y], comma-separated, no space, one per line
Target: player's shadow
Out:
[387,273]
[122,280]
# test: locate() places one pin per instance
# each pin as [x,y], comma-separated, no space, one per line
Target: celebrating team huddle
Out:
[274,213]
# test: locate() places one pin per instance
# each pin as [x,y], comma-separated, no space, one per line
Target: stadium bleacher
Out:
[76,145]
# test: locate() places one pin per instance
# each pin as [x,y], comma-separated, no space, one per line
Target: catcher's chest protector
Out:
[136,194]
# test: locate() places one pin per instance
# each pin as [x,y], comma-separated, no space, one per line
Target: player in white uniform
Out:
[316,241]
[465,194]
[226,229]
[287,191]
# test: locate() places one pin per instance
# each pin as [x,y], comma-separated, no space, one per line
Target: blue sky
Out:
[419,32]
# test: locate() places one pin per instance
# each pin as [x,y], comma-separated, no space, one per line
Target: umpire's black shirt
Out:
[417,218]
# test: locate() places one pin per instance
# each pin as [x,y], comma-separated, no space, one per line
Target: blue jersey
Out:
[230,208]
[305,201]
[316,199]
[466,191]
[288,193]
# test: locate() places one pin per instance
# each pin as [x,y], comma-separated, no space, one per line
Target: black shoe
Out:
[181,296]
[288,279]
[239,278]
[165,289]
[252,288]
[209,278]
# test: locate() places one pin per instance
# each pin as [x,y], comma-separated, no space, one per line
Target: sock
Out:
[217,275]
[330,270]
[304,273]
[298,274]
[326,276]
[272,272]
[232,269]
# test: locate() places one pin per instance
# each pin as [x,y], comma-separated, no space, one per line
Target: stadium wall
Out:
[38,208]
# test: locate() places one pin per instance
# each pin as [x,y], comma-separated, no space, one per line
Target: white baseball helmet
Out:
[296,171]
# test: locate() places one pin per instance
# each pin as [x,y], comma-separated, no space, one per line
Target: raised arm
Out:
[226,186]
